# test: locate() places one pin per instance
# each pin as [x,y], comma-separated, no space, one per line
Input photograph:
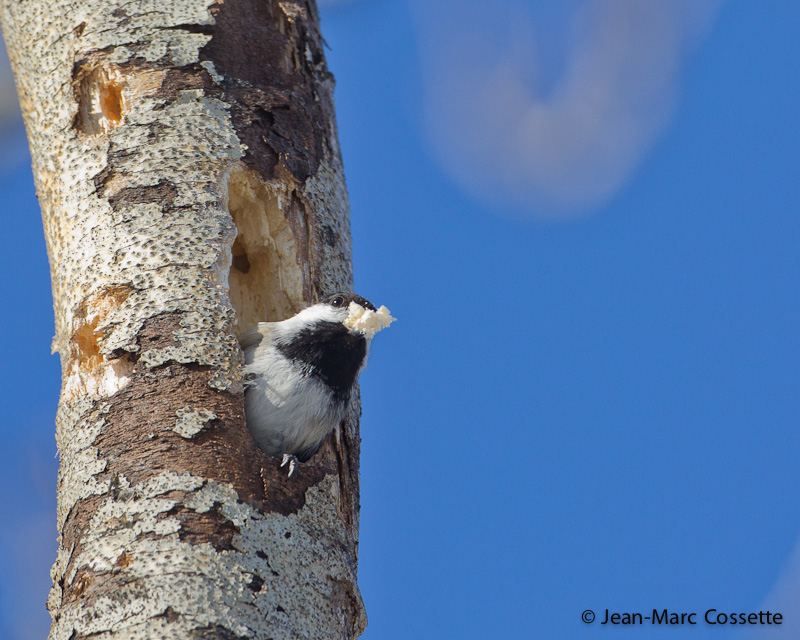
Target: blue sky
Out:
[590,399]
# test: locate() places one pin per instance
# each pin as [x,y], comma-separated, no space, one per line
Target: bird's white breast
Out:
[287,409]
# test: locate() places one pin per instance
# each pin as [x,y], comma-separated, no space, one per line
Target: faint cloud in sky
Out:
[557,134]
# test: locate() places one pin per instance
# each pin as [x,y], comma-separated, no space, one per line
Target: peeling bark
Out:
[187,165]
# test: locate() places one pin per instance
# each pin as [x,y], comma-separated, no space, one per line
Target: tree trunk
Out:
[190,180]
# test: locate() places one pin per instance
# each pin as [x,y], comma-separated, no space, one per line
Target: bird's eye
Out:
[338,301]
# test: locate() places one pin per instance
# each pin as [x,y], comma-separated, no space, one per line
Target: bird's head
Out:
[358,315]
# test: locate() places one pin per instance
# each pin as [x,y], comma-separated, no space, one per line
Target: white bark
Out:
[138,114]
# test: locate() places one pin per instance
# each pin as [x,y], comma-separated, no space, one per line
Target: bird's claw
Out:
[292,461]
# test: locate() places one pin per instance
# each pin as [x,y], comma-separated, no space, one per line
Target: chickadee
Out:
[301,373]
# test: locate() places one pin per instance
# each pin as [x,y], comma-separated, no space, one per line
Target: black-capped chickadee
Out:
[302,371]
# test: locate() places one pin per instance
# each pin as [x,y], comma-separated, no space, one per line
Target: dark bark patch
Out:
[162,193]
[329,236]
[205,29]
[102,178]
[124,561]
[169,614]
[122,16]
[214,632]
[210,527]
[185,78]
[159,332]
[255,584]
[270,78]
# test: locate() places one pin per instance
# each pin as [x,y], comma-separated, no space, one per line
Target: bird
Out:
[300,373]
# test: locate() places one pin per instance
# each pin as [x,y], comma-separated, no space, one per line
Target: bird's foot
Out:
[292,461]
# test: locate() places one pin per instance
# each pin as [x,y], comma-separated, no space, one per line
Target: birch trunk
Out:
[190,181]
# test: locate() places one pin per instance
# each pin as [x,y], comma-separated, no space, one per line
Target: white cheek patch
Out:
[367,321]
